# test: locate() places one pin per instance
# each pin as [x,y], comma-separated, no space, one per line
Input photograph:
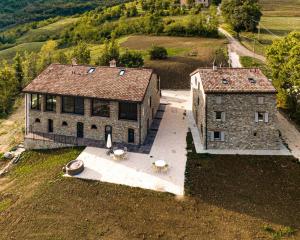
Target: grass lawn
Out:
[280,8]
[280,26]
[228,197]
[185,55]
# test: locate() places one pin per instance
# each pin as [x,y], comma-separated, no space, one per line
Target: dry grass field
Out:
[228,197]
[279,17]
[186,54]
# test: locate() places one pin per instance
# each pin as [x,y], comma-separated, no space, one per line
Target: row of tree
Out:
[283,58]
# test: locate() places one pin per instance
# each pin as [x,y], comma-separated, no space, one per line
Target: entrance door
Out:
[130,135]
[108,130]
[80,128]
[50,125]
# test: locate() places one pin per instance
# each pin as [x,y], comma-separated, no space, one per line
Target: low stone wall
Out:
[36,144]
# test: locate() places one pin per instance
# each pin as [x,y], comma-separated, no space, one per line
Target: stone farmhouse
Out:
[205,3]
[234,108]
[82,105]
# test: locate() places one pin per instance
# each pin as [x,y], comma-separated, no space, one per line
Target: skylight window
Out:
[225,81]
[91,70]
[252,80]
[122,72]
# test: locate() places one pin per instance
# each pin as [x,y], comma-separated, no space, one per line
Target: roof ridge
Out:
[95,66]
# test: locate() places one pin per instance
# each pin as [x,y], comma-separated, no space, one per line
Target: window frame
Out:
[217,138]
[38,105]
[75,108]
[263,116]
[53,103]
[216,115]
[130,117]
[102,102]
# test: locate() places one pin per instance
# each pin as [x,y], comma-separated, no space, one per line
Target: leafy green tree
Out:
[243,15]
[46,55]
[29,66]
[82,53]
[61,58]
[111,51]
[131,59]
[8,87]
[157,52]
[283,57]
[19,75]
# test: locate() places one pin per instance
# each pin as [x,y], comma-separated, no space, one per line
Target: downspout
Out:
[140,124]
[206,122]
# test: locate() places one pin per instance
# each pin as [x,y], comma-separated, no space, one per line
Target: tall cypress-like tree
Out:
[19,75]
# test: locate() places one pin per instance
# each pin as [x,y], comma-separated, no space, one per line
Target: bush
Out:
[157,52]
[131,59]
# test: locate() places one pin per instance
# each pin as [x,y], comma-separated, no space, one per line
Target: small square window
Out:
[218,116]
[260,100]
[217,135]
[219,100]
[261,116]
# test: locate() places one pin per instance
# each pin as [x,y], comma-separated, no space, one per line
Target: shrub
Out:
[157,52]
[131,59]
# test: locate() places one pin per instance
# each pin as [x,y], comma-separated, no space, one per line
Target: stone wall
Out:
[241,131]
[119,127]
[198,106]
[148,112]
[40,144]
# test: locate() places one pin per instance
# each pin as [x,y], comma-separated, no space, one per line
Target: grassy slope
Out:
[229,197]
[49,31]
[280,17]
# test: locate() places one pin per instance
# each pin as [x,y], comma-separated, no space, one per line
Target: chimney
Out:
[113,63]
[74,61]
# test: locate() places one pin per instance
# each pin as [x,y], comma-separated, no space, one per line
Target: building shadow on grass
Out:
[265,187]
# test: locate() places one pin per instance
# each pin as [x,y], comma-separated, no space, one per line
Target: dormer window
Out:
[122,72]
[225,81]
[251,80]
[91,70]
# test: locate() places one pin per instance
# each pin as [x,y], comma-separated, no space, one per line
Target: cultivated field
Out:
[228,197]
[186,54]
[280,17]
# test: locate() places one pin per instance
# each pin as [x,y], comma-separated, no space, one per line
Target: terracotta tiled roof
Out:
[244,80]
[103,83]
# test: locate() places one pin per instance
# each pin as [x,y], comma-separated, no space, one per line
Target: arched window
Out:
[64,123]
[93,126]
[37,120]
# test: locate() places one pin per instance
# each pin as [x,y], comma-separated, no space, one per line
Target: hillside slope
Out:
[22,11]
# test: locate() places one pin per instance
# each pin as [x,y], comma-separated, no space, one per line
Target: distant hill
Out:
[21,11]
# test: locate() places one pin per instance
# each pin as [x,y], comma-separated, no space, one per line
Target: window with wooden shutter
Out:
[223,116]
[256,117]
[266,117]
[218,100]
[260,100]
[222,136]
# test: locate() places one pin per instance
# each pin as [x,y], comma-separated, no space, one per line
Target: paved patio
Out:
[137,171]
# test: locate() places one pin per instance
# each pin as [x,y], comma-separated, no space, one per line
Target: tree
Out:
[132,59]
[283,57]
[157,52]
[81,53]
[17,65]
[29,66]
[111,51]
[46,55]
[8,87]
[243,15]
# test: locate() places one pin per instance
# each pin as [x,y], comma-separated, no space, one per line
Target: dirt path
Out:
[11,129]
[238,48]
[290,134]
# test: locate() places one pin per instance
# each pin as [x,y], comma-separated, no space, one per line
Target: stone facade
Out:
[37,120]
[245,121]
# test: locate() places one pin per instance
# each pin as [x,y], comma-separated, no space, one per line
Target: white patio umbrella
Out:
[108,142]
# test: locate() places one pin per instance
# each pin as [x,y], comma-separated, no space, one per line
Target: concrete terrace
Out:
[137,171]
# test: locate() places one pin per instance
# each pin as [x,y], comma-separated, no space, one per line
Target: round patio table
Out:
[119,153]
[160,163]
